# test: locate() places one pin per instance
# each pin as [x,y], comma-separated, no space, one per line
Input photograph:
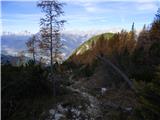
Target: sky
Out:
[81,15]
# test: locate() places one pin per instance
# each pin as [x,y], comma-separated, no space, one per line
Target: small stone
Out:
[52,111]
[128,109]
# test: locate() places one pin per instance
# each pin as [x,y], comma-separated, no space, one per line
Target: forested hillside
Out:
[111,62]
[137,55]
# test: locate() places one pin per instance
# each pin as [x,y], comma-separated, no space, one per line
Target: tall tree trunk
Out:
[51,52]
[53,10]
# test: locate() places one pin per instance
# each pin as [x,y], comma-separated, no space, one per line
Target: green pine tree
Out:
[150,99]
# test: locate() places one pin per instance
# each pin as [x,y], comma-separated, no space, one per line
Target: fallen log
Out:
[107,61]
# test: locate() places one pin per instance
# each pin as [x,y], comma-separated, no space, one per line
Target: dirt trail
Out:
[94,108]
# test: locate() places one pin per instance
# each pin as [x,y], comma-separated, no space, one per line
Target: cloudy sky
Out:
[111,15]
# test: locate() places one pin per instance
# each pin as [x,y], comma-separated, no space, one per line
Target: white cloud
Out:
[90,7]
[94,30]
[84,17]
[148,6]
[93,7]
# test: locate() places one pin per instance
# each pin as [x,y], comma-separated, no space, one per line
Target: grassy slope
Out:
[89,42]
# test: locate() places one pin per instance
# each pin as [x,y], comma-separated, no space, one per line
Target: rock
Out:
[103,90]
[128,108]
[80,107]
[52,111]
[60,108]
[58,116]
[92,105]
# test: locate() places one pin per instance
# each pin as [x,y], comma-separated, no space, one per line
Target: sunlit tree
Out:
[51,25]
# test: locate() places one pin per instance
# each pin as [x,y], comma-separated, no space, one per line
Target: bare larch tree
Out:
[51,25]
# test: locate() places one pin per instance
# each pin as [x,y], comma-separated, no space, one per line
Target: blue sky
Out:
[81,15]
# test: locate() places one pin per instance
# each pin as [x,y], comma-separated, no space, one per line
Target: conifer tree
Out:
[132,40]
[51,25]
[154,50]
[155,28]
[50,29]
[150,97]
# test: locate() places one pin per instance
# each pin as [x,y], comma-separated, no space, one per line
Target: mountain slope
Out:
[88,44]
[8,59]
[87,51]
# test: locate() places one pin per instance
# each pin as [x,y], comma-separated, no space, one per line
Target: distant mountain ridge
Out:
[13,43]
[8,59]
